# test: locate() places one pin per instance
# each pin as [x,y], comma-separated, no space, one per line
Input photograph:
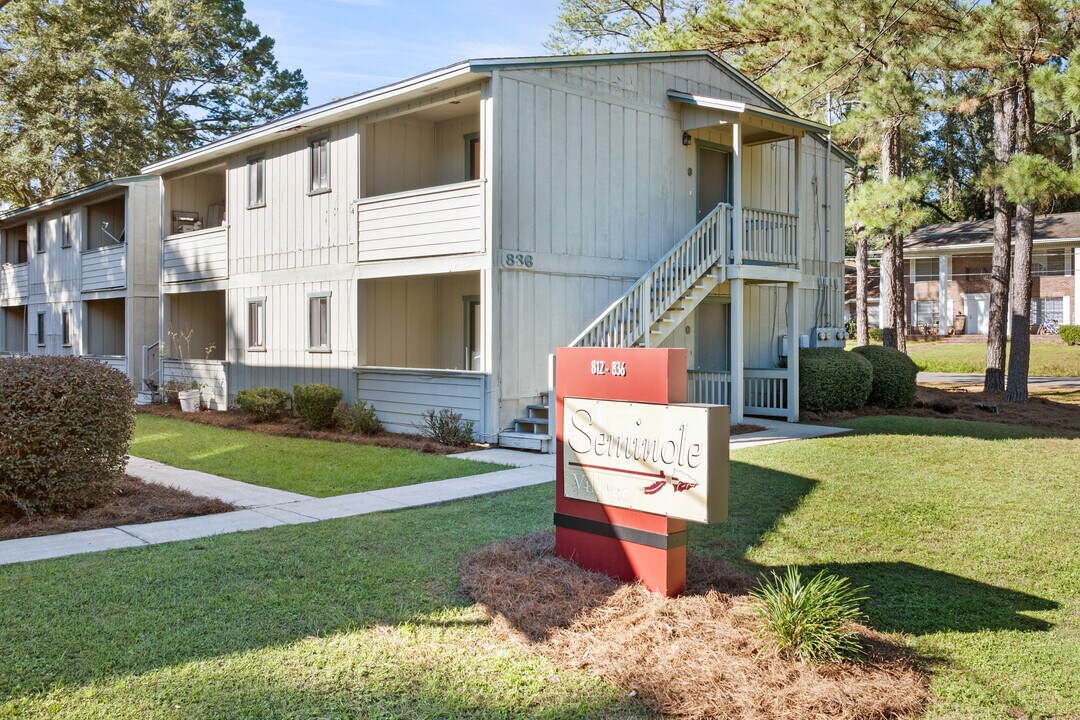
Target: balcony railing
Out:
[104,268]
[195,256]
[770,237]
[442,220]
[14,282]
[764,390]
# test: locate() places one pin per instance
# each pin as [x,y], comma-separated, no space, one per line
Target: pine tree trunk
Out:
[900,296]
[892,283]
[1016,388]
[862,267]
[998,328]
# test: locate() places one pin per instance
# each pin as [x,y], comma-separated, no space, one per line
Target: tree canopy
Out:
[91,89]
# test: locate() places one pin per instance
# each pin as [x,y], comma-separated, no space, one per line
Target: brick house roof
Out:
[1060,226]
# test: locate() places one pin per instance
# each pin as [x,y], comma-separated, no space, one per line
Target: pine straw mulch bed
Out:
[294,427]
[959,402]
[696,656]
[135,502]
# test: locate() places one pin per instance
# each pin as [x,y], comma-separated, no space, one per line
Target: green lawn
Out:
[311,467]
[1049,359]
[968,535]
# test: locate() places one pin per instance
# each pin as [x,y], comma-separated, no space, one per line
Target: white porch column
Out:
[1076,281]
[797,170]
[793,352]
[738,340]
[736,194]
[944,272]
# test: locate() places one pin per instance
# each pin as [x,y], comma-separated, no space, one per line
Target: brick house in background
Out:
[948,273]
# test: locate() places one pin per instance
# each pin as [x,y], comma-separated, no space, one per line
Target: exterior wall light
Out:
[686,139]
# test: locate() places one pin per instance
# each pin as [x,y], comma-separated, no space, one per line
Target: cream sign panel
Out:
[665,459]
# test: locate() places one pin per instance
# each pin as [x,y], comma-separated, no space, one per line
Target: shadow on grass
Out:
[946,426]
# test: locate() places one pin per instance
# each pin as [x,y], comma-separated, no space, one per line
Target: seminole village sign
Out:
[634,463]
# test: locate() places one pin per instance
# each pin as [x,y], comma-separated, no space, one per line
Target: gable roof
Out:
[451,76]
[80,193]
[1058,227]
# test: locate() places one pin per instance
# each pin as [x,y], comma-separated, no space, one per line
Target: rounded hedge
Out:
[315,404]
[894,376]
[263,403]
[65,427]
[833,379]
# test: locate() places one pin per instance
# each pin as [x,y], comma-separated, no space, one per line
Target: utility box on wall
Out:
[828,337]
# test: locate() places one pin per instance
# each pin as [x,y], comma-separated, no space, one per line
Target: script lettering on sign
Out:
[665,459]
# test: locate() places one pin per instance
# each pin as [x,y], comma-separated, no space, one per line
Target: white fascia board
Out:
[320,116]
[747,109]
[63,198]
[941,249]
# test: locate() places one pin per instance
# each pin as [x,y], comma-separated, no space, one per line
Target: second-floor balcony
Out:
[14,281]
[104,268]
[196,256]
[441,220]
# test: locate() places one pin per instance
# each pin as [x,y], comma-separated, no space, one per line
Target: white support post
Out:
[793,352]
[738,355]
[736,193]
[944,272]
[798,192]
[1076,281]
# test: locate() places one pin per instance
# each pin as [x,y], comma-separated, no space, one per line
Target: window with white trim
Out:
[319,165]
[65,319]
[256,323]
[319,322]
[1051,262]
[41,329]
[39,239]
[925,312]
[1043,309]
[926,270]
[256,179]
[65,230]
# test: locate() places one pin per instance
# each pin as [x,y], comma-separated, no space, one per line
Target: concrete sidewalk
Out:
[263,507]
[1062,383]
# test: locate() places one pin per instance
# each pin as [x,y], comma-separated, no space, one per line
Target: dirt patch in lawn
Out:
[1046,407]
[696,656]
[745,428]
[294,427]
[135,502]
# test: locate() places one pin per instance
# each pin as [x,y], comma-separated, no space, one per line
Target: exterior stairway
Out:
[532,432]
[665,295]
[647,313]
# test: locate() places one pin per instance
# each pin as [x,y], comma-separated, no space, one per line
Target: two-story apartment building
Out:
[79,275]
[430,243]
[949,269]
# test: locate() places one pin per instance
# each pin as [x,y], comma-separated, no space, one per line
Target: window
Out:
[39,239]
[925,312]
[256,324]
[65,230]
[1051,262]
[472,156]
[473,322]
[41,329]
[319,165]
[256,172]
[319,322]
[1043,309]
[926,269]
[66,320]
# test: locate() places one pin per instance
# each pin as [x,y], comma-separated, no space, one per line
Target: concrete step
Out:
[524,441]
[537,411]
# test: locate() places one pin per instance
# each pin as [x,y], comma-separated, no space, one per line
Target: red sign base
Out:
[626,544]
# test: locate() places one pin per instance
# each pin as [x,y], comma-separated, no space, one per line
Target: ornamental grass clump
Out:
[65,427]
[446,426]
[812,620]
[359,418]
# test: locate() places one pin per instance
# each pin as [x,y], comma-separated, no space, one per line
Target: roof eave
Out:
[69,196]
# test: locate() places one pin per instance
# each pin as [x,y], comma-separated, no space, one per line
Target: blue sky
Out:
[344,46]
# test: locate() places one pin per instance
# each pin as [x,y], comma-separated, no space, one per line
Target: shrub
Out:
[358,418]
[315,404]
[1070,334]
[833,379]
[65,426]
[263,403]
[894,376]
[446,427]
[876,334]
[810,620]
